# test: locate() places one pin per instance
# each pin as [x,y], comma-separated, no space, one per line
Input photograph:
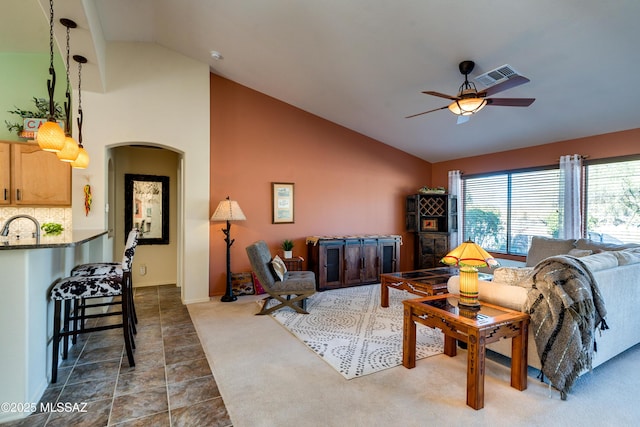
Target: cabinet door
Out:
[389,256]
[411,219]
[330,266]
[352,262]
[431,248]
[370,261]
[5,174]
[39,178]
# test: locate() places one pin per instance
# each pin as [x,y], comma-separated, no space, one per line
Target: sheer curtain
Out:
[571,174]
[455,190]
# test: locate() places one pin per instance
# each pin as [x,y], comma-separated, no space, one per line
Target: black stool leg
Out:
[56,340]
[126,320]
[66,326]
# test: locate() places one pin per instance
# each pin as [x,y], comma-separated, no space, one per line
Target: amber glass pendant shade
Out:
[51,137]
[82,161]
[70,151]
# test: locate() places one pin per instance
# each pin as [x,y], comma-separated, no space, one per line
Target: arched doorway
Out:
[156,264]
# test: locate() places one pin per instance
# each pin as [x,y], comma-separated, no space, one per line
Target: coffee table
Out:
[476,328]
[426,282]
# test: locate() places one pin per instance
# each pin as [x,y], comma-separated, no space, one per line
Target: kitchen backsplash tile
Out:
[23,226]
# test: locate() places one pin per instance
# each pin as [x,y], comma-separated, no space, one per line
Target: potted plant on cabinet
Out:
[41,112]
[287,247]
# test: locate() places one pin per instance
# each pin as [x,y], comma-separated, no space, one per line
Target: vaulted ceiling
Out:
[363,64]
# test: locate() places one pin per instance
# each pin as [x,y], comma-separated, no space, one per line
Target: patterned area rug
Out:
[352,333]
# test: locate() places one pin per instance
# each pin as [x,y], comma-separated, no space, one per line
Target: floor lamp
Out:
[228,210]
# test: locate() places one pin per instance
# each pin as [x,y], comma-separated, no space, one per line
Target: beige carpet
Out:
[267,377]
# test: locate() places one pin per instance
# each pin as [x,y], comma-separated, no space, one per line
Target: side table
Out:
[477,328]
[293,264]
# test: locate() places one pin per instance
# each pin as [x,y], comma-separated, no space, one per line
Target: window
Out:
[501,212]
[612,213]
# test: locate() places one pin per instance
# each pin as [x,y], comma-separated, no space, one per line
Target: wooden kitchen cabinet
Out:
[352,261]
[5,173]
[36,177]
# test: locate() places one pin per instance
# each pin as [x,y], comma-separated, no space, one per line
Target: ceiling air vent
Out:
[496,76]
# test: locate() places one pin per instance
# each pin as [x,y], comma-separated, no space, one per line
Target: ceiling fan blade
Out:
[430,111]
[462,119]
[507,84]
[441,95]
[510,102]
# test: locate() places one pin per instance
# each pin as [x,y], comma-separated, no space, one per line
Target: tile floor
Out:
[171,384]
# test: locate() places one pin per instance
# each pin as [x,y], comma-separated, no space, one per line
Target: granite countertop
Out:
[64,239]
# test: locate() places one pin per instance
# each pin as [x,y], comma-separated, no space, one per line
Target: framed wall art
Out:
[282,202]
[146,207]
[430,225]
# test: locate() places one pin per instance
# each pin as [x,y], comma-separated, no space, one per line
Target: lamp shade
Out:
[82,161]
[228,210]
[50,137]
[70,151]
[469,254]
[467,106]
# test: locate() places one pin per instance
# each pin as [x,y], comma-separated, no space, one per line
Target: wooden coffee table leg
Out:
[384,293]
[475,372]
[409,339]
[519,352]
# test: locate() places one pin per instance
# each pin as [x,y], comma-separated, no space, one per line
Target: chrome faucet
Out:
[5,228]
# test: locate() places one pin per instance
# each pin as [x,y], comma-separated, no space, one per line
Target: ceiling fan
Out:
[469,100]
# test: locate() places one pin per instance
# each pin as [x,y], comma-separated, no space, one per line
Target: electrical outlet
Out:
[143,269]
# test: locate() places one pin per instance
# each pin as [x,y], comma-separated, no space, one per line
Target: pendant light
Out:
[70,150]
[82,161]
[50,135]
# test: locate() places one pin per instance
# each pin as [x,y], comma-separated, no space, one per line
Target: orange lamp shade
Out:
[51,137]
[82,161]
[70,151]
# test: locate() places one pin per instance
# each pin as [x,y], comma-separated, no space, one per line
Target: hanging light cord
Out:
[67,103]
[79,104]
[51,83]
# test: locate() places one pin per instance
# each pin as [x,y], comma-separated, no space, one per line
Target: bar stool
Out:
[78,291]
[112,269]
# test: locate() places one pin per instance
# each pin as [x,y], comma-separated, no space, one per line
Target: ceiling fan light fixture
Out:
[467,106]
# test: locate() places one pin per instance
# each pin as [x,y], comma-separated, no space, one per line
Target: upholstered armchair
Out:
[287,287]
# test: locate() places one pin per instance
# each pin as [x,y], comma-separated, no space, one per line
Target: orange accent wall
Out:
[603,146]
[345,182]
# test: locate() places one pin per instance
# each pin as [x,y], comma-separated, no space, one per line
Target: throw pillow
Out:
[579,253]
[544,247]
[626,257]
[257,285]
[242,284]
[279,267]
[510,275]
[600,246]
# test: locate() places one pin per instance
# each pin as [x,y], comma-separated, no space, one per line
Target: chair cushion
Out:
[296,282]
[98,269]
[76,287]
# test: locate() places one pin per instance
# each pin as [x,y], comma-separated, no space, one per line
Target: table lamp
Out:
[469,256]
[228,210]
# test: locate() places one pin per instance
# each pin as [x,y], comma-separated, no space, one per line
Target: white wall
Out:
[153,96]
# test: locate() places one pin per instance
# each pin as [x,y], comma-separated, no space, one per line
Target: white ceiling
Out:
[363,63]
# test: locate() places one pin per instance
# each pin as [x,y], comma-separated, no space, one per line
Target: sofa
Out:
[615,269]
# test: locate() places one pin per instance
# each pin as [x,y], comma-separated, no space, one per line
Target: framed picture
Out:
[146,207]
[430,225]
[282,202]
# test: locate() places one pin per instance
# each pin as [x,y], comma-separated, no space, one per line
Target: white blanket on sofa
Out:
[566,307]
